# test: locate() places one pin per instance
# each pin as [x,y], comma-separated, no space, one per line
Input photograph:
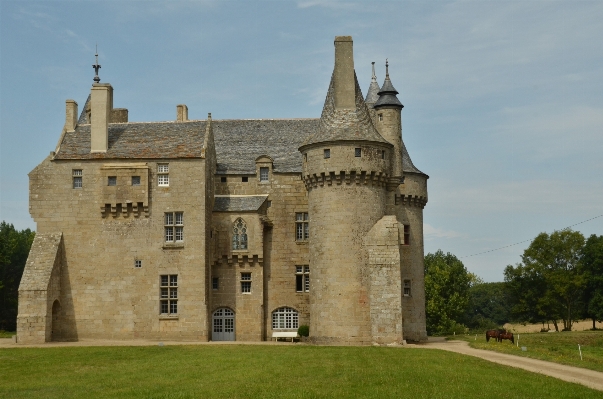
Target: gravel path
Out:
[590,378]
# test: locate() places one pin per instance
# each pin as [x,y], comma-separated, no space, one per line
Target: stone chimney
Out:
[100,111]
[70,115]
[343,74]
[181,113]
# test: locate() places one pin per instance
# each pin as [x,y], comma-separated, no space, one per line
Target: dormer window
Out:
[264,173]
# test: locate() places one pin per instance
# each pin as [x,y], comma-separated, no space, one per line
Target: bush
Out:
[303,331]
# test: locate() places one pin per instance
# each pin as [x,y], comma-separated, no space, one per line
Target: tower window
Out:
[215,283]
[112,181]
[380,117]
[406,234]
[246,283]
[137,263]
[327,153]
[77,178]
[406,287]
[223,179]
[382,154]
[244,179]
[136,180]
[357,152]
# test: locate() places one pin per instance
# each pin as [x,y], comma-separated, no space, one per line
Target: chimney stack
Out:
[70,115]
[345,83]
[181,113]
[101,106]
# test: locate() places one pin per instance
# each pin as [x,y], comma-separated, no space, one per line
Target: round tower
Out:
[346,166]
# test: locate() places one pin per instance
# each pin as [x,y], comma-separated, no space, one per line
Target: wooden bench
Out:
[284,334]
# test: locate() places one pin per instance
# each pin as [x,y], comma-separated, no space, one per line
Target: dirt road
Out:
[589,378]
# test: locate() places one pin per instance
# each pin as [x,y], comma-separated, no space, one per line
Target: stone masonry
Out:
[229,229]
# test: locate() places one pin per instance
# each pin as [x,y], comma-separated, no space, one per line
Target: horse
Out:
[492,334]
[506,335]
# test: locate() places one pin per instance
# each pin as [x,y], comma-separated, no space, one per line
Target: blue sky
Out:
[503,100]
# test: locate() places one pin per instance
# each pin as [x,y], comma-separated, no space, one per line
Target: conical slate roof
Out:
[373,92]
[387,95]
[345,124]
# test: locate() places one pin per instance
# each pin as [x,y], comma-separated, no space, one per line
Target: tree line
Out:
[559,278]
[14,248]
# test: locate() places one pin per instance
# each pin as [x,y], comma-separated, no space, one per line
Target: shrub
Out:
[303,331]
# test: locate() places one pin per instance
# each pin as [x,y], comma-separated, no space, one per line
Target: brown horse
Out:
[493,334]
[506,335]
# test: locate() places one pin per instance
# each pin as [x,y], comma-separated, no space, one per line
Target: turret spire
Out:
[96,67]
[372,95]
[387,94]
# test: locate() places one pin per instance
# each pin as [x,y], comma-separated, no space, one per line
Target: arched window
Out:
[285,318]
[239,234]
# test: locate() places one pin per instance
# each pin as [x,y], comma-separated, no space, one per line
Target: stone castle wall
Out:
[103,294]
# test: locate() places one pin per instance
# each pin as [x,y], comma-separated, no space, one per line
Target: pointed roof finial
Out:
[96,67]
[386,69]
[374,77]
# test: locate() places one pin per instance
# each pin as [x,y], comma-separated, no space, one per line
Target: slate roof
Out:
[136,140]
[345,124]
[240,142]
[238,203]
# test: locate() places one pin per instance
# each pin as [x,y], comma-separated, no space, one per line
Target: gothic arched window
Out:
[239,234]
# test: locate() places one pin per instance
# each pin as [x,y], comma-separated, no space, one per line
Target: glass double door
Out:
[223,325]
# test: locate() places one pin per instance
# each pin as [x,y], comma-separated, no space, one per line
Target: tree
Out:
[487,307]
[549,283]
[592,267]
[14,248]
[447,284]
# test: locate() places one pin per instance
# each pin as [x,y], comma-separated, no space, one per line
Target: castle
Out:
[229,229]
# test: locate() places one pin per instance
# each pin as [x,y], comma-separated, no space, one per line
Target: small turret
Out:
[388,120]
[373,92]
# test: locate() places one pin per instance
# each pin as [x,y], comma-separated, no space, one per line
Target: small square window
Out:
[244,179]
[223,179]
[137,263]
[215,283]
[327,153]
[136,180]
[263,174]
[357,152]
[112,181]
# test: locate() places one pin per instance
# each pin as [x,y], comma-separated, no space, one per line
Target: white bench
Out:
[284,334]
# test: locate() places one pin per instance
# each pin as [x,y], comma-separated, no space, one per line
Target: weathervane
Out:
[96,67]
[386,68]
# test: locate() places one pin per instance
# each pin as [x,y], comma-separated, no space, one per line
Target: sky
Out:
[503,101]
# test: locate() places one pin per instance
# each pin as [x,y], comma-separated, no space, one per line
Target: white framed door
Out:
[223,325]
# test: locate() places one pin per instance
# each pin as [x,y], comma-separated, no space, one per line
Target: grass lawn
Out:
[6,334]
[240,371]
[561,347]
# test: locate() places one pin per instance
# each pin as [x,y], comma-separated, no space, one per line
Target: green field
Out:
[6,334]
[556,347]
[254,371]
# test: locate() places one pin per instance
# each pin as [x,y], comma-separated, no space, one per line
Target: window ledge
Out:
[240,251]
[167,317]
[301,242]
[173,245]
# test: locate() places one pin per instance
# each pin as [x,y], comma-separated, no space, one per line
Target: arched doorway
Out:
[223,325]
[56,309]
